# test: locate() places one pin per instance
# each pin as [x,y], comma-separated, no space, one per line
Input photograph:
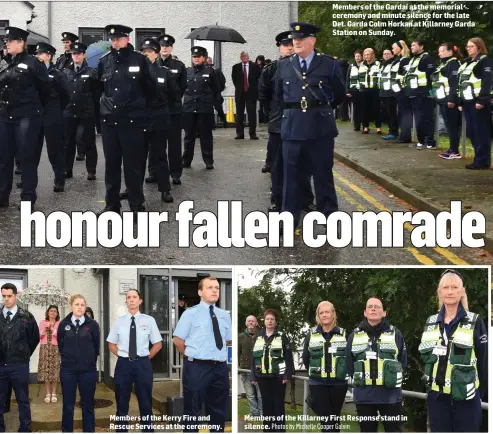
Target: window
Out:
[210,46]
[17,277]
[3,25]
[90,35]
[141,34]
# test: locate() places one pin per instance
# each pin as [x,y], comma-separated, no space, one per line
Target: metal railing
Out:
[406,393]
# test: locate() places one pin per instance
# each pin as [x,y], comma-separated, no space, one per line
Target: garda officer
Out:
[307,84]
[418,83]
[127,88]
[445,85]
[198,108]
[454,348]
[352,88]
[178,73]
[79,115]
[368,77]
[52,129]
[78,343]
[376,356]
[19,337]
[24,89]
[324,356]
[201,336]
[475,100]
[129,340]
[387,95]
[272,368]
[65,59]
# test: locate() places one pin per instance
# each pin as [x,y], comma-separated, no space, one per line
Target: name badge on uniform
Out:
[332,350]
[84,76]
[133,68]
[205,75]
[371,355]
[174,71]
[396,88]
[67,328]
[414,83]
[22,65]
[160,80]
[440,350]
[50,76]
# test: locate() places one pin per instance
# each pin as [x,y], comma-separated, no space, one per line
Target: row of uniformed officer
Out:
[65,59]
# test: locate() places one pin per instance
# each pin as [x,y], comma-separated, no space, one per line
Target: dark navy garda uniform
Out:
[52,130]
[404,110]
[79,114]
[456,370]
[324,357]
[376,357]
[24,89]
[198,110]
[65,59]
[388,97]
[308,125]
[19,337]
[127,89]
[475,84]
[78,343]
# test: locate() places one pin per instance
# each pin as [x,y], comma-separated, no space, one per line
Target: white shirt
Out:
[247,68]
[81,320]
[13,310]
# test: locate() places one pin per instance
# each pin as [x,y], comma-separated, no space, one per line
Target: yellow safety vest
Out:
[368,77]
[353,77]
[469,84]
[415,78]
[269,358]
[440,83]
[335,348]
[389,369]
[396,80]
[461,375]
[385,77]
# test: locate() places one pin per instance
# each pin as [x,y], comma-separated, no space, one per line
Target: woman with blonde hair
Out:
[454,348]
[324,358]
[368,78]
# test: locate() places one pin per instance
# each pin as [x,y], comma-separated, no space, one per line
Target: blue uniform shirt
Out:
[13,310]
[195,328]
[81,320]
[147,331]
[308,60]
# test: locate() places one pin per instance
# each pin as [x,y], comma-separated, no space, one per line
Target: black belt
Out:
[207,362]
[305,104]
[135,358]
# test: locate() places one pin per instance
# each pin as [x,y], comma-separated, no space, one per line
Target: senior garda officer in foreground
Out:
[129,340]
[309,85]
[201,336]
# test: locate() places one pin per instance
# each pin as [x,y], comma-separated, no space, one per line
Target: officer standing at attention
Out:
[79,115]
[198,108]
[309,85]
[19,337]
[127,89]
[376,357]
[129,340]
[52,129]
[65,60]
[24,90]
[201,336]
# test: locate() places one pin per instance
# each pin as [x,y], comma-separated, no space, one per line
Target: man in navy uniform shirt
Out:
[201,336]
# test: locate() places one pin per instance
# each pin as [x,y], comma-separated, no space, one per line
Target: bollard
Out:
[230,117]
[463,134]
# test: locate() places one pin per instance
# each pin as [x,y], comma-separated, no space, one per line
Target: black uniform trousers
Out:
[200,123]
[382,409]
[80,130]
[18,376]
[452,119]
[357,109]
[343,109]
[328,400]
[156,145]
[123,141]
[218,105]
[423,108]
[20,138]
[370,101]
[405,116]
[86,382]
[52,132]
[273,392]
[479,129]
[390,106]
[205,383]
[139,373]
[241,101]
[447,415]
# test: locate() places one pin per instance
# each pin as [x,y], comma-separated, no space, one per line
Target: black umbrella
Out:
[216,33]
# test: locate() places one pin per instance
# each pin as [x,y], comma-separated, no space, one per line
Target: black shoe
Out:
[18,184]
[124,194]
[166,197]
[254,137]
[186,165]
[17,170]
[209,166]
[91,176]
[357,129]
[404,141]
[151,179]
[475,167]
[69,174]
[108,208]
[266,169]
[274,208]
[176,181]
[309,208]
[58,188]
[80,156]
[239,137]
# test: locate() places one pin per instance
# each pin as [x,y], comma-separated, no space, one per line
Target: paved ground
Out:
[237,176]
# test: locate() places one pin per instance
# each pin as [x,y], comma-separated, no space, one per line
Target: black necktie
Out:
[76,69]
[77,321]
[303,66]
[8,316]
[215,326]
[132,349]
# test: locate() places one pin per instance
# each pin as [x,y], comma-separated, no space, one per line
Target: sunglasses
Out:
[453,272]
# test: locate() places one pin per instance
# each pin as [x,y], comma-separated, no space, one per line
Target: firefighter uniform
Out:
[324,356]
[456,370]
[376,357]
[475,85]
[368,80]
[65,59]
[272,363]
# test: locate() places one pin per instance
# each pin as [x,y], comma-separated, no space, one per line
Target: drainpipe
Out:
[62,284]
[49,21]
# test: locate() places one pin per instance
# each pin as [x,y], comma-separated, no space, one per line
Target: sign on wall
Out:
[126,284]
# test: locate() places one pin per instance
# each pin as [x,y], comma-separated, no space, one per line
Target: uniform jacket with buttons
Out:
[78,351]
[163,97]
[24,87]
[266,94]
[84,89]
[127,85]
[202,89]
[19,339]
[58,98]
[324,83]
[64,61]
[178,73]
